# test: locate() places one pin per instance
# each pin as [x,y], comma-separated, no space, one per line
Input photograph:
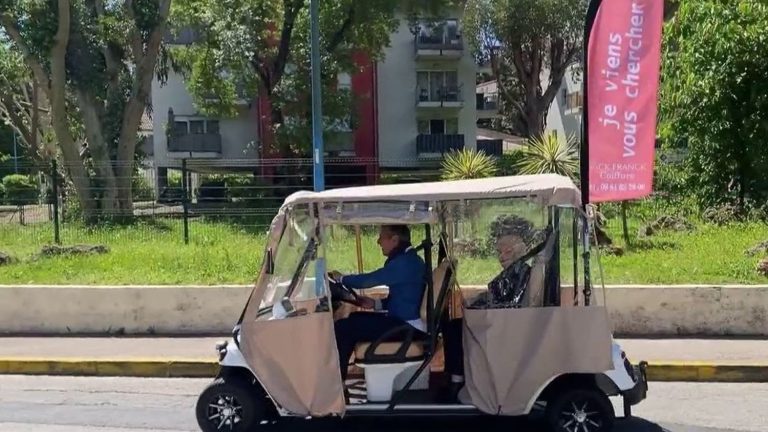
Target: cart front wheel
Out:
[580,410]
[229,404]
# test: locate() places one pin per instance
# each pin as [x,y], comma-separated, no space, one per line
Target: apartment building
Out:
[414,105]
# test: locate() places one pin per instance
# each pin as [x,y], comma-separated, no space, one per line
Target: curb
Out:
[658,371]
[140,368]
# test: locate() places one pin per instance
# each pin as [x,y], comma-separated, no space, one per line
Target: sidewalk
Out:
[669,359]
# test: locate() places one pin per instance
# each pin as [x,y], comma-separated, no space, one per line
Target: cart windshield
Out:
[294,259]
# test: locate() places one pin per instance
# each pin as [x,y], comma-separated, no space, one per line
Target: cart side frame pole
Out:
[359,249]
[594,6]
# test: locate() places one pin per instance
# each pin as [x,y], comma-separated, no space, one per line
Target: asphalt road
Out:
[68,404]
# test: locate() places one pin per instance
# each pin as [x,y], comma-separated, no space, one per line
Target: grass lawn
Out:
[225,254]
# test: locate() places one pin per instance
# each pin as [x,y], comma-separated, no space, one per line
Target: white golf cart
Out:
[553,351]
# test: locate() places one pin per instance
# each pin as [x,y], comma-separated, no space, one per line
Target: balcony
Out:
[438,144]
[205,145]
[439,46]
[439,97]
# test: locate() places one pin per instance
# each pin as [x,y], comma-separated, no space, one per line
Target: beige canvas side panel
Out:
[509,354]
[297,362]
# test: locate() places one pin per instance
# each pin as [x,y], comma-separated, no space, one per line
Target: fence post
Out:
[55,177]
[185,199]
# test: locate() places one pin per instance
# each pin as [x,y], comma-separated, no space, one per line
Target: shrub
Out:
[212,189]
[508,163]
[142,190]
[549,154]
[468,164]
[20,190]
[245,190]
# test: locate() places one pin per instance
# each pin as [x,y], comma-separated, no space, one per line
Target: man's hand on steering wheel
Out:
[336,275]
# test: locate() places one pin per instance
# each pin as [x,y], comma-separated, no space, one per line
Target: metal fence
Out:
[201,201]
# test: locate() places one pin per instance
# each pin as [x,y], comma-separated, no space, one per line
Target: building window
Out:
[436,86]
[195,127]
[448,126]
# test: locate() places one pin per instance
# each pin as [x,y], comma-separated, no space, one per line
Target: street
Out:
[70,404]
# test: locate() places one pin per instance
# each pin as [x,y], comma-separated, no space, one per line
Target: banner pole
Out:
[594,5]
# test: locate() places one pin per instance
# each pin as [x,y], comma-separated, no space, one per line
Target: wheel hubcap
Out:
[225,412]
[578,418]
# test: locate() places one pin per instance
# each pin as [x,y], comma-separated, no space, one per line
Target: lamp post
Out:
[317,134]
[317,106]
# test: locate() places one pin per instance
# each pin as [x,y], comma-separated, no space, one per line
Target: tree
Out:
[262,47]
[94,62]
[23,106]
[714,99]
[530,45]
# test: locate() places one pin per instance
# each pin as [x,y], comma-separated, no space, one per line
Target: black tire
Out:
[573,410]
[230,404]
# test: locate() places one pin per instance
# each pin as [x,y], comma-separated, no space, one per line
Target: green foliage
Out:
[549,154]
[244,190]
[714,101]
[142,190]
[467,164]
[508,163]
[20,190]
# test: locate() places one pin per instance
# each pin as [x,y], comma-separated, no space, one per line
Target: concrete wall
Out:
[635,310]
[397,112]
[236,133]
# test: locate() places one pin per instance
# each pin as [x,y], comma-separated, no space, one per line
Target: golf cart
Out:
[552,352]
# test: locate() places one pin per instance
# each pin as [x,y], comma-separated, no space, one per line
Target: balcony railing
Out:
[196,143]
[439,42]
[442,94]
[438,143]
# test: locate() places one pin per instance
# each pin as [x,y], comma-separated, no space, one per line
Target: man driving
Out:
[404,273]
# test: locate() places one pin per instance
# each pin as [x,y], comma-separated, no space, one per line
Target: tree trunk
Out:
[59,119]
[145,55]
[534,119]
[99,151]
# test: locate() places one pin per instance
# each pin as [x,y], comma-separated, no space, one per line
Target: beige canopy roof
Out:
[547,189]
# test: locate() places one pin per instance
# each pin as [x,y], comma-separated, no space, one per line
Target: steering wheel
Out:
[341,293]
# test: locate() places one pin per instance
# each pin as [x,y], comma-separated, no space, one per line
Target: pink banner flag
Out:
[624,58]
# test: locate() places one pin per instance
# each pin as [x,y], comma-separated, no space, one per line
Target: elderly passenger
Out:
[512,237]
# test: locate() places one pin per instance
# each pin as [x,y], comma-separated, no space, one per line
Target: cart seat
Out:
[408,345]
[415,349]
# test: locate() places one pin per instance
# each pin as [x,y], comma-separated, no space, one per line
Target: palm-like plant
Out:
[549,154]
[467,164]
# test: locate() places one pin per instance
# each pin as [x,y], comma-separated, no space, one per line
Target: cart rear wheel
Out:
[229,404]
[580,410]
